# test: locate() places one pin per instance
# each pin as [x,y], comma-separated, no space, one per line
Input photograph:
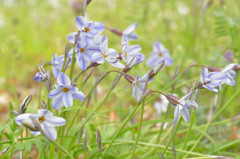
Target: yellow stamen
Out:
[82,50]
[41,119]
[86,30]
[65,89]
[104,55]
[160,54]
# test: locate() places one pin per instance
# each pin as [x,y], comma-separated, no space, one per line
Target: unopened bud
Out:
[214,69]
[41,69]
[129,78]
[117,31]
[30,126]
[14,113]
[23,107]
[43,104]
[67,48]
[172,99]
[99,140]
[158,67]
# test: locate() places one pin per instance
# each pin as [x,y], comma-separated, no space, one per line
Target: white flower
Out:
[161,105]
[45,119]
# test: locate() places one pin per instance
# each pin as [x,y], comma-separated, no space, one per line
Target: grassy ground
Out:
[32,31]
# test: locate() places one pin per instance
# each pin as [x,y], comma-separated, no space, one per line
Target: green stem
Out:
[62,149]
[122,127]
[173,135]
[139,129]
[73,63]
[214,117]
[189,130]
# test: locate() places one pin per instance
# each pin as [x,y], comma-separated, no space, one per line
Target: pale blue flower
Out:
[45,119]
[159,53]
[138,86]
[183,107]
[129,32]
[57,63]
[64,93]
[90,29]
[128,52]
[109,55]
[161,105]
[212,79]
[84,51]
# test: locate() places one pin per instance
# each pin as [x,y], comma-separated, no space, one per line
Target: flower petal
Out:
[97,57]
[79,96]
[63,79]
[67,99]
[53,121]
[50,132]
[203,74]
[176,114]
[57,103]
[55,93]
[185,114]
[81,22]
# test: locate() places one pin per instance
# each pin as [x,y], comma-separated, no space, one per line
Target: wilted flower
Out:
[135,60]
[183,106]
[90,29]
[109,55]
[128,52]
[64,92]
[161,105]
[129,32]
[159,53]
[46,120]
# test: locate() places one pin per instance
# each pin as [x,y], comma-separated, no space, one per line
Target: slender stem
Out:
[173,135]
[73,62]
[62,149]
[122,127]
[189,131]
[64,63]
[214,117]
[139,129]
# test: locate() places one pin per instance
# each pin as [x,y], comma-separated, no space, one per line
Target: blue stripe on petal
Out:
[67,99]
[63,79]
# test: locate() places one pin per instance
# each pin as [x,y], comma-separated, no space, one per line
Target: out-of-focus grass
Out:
[34,30]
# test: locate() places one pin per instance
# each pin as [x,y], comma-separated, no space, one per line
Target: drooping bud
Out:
[129,78]
[23,107]
[172,99]
[118,32]
[213,69]
[158,67]
[99,140]
[39,77]
[14,113]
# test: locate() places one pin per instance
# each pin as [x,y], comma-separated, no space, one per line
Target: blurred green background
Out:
[193,31]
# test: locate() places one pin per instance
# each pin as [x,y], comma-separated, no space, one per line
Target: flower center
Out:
[125,54]
[104,55]
[41,119]
[65,89]
[82,50]
[160,54]
[86,30]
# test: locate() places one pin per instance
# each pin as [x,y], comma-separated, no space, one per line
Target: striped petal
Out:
[67,99]
[63,79]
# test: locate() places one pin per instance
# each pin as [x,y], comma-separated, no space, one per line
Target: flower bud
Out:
[129,78]
[173,99]
[117,31]
[41,69]
[40,77]
[158,67]
[43,104]
[99,140]
[23,107]
[135,60]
